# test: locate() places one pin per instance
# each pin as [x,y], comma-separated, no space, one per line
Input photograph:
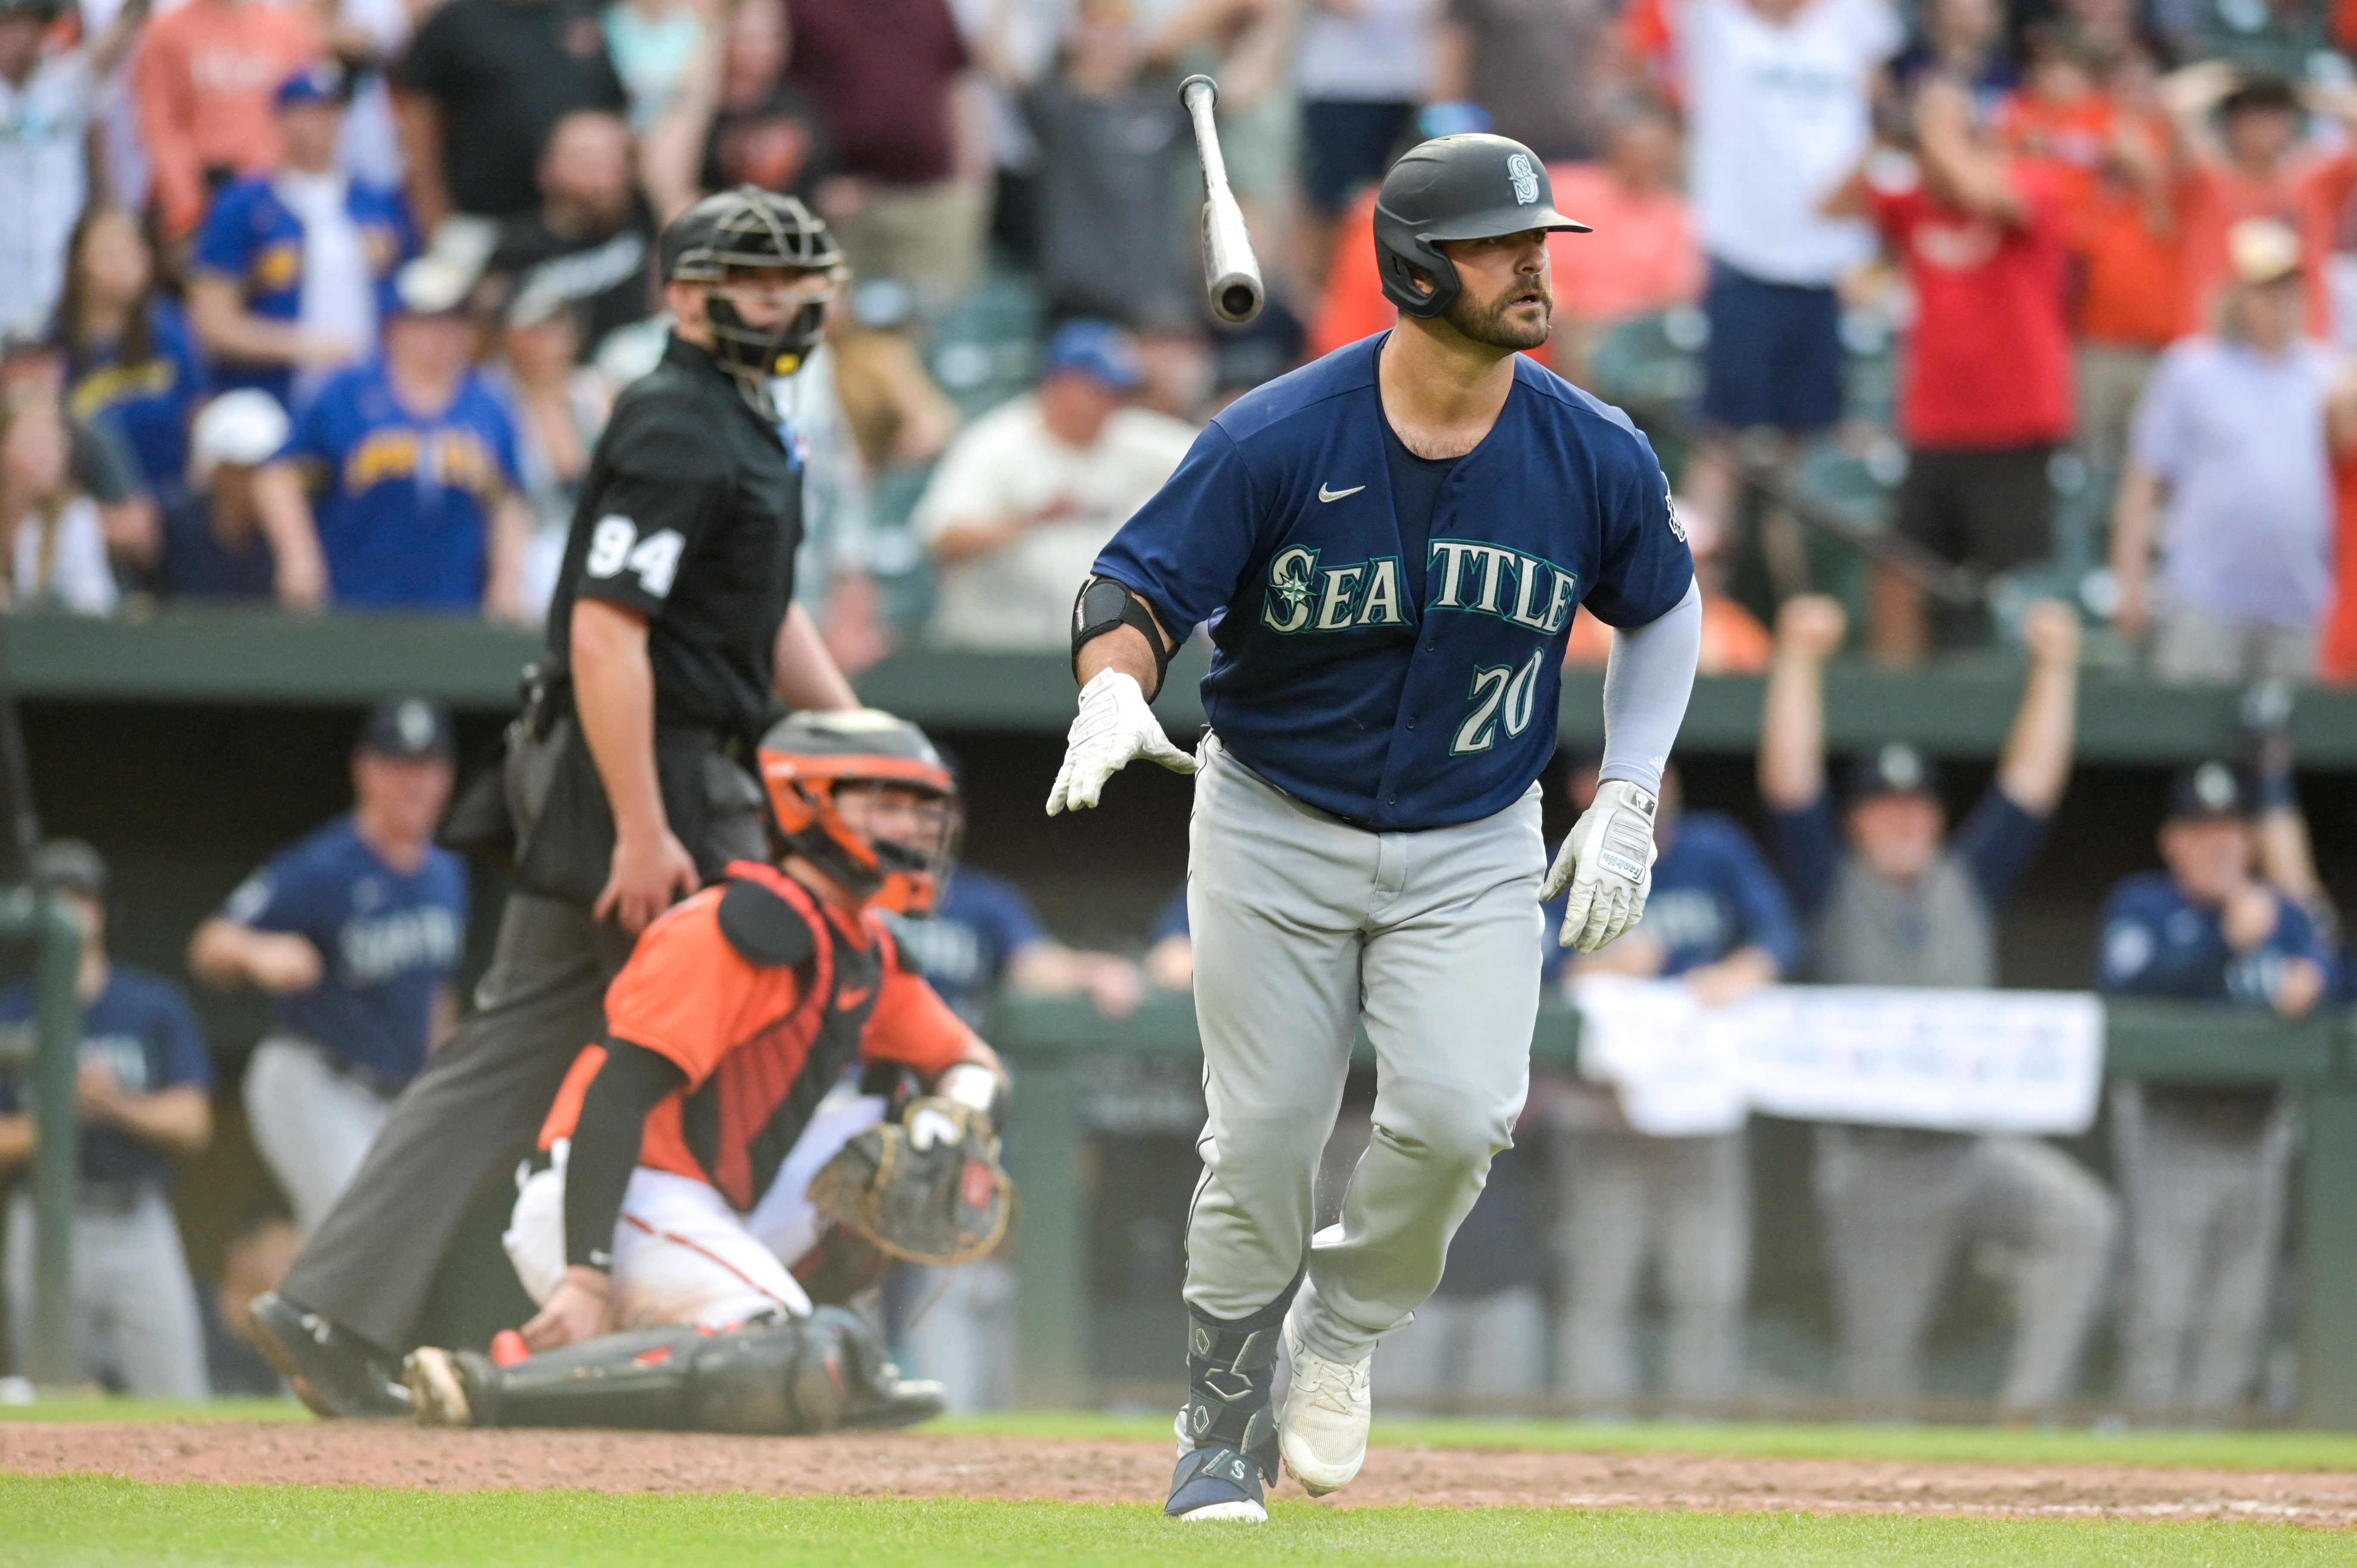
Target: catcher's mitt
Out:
[949,1203]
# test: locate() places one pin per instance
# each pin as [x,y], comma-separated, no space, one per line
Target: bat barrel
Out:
[1231,279]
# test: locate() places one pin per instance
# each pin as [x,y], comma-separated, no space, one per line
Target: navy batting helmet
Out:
[1455,187]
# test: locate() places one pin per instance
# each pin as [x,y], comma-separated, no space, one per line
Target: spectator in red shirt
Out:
[1985,391]
[910,203]
[205,81]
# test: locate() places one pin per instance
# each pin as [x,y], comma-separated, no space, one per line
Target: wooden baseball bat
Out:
[1231,272]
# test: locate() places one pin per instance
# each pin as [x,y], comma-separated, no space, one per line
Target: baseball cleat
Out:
[331,1369]
[1322,1430]
[438,1388]
[1217,1484]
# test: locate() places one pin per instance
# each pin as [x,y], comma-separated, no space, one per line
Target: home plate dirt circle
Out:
[918,1464]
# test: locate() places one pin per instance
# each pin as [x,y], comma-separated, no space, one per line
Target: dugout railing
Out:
[1049,1041]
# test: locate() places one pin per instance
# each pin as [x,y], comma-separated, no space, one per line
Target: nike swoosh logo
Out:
[1325,495]
[846,1001]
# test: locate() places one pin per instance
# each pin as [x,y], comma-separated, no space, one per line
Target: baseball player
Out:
[2204,1168]
[1392,542]
[1893,898]
[355,934]
[674,1170]
[673,623]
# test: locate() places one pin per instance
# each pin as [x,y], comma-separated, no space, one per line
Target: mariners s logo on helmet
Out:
[1526,178]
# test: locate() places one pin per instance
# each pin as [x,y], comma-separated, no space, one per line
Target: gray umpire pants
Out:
[1898,1206]
[1683,1205]
[1305,929]
[135,1306]
[2205,1224]
[462,1124]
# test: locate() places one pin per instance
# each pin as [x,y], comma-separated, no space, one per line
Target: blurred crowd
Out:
[324,301]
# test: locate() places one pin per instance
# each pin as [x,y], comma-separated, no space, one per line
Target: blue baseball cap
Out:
[1096,349]
[321,82]
[1897,769]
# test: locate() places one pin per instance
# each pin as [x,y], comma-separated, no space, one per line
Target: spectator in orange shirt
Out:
[2113,156]
[1642,257]
[204,83]
[1354,305]
[2254,165]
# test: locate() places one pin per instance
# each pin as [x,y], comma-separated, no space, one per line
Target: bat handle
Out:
[1198,95]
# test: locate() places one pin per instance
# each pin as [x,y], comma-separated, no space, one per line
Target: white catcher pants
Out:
[682,1254]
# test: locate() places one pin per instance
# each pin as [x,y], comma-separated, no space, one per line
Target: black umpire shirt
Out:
[690,514]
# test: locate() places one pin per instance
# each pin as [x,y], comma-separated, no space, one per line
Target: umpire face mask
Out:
[765,321]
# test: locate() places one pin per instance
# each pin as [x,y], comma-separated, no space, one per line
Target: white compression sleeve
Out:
[1646,686]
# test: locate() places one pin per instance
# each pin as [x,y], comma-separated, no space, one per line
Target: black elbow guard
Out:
[1103,604]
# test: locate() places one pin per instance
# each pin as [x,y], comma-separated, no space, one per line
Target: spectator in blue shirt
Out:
[2204,1170]
[292,273]
[356,933]
[213,543]
[1894,900]
[399,487]
[1717,920]
[144,1089]
[130,362]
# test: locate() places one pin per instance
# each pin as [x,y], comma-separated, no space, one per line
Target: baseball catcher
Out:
[712,1183]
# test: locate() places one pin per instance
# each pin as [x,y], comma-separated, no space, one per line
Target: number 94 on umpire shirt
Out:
[1396,668]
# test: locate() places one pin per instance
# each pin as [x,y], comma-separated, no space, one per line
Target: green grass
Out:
[2264,1450]
[102,1521]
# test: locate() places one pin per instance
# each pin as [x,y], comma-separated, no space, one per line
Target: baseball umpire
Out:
[1393,541]
[623,787]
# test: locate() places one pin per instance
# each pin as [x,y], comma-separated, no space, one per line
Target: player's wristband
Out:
[1105,605]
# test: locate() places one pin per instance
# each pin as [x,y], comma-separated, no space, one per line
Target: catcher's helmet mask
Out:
[715,242]
[1455,187]
[809,761]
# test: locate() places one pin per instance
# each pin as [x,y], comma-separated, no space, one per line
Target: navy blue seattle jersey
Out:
[391,938]
[1400,686]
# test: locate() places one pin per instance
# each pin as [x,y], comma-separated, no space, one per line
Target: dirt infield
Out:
[922,1465]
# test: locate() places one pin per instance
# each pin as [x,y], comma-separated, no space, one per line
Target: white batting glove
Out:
[1608,864]
[1115,727]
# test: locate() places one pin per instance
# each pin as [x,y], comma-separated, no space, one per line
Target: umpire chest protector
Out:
[1397,677]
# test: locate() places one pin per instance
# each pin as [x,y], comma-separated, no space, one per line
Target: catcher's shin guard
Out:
[776,1377]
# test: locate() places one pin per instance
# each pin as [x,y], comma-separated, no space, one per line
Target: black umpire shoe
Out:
[334,1370]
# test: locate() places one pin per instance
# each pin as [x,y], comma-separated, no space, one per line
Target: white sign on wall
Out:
[1965,1061]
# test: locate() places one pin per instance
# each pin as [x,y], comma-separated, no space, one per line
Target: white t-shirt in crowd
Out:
[61,563]
[1020,597]
[1778,116]
[339,298]
[42,182]
[1381,52]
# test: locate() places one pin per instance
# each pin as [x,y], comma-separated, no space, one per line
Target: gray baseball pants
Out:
[1898,1208]
[2205,1224]
[1684,1206]
[312,1125]
[1307,930]
[134,1305]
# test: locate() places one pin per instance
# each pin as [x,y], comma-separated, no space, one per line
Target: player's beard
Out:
[1485,321]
